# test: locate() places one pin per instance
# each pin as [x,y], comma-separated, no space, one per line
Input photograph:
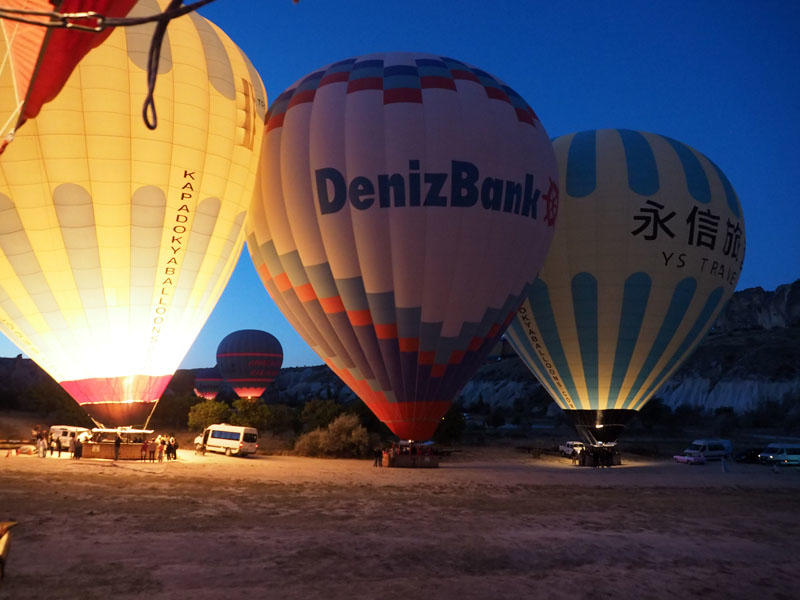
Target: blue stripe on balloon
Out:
[584,304]
[522,344]
[696,178]
[642,168]
[634,304]
[730,195]
[582,164]
[543,313]
[681,298]
[702,320]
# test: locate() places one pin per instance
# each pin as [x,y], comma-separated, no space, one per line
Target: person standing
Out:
[58,445]
[144,449]
[117,444]
[72,444]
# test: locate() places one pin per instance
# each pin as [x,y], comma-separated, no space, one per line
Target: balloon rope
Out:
[101,22]
[149,107]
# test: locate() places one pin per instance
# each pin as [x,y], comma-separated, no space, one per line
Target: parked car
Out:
[749,456]
[780,453]
[230,439]
[690,459]
[713,449]
[567,448]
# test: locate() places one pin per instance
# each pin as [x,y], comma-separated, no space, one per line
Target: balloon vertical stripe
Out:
[542,309]
[696,178]
[584,302]
[711,305]
[634,305]
[681,299]
[730,194]
[642,168]
[581,167]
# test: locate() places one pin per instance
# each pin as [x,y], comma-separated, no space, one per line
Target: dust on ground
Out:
[489,523]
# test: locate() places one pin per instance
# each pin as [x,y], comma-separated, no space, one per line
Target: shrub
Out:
[344,437]
[251,413]
[207,413]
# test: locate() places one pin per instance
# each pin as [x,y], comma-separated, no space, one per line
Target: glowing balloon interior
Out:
[249,360]
[117,241]
[648,249]
[404,203]
[35,61]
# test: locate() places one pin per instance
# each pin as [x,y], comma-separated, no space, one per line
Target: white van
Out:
[230,439]
[710,449]
[781,454]
[64,432]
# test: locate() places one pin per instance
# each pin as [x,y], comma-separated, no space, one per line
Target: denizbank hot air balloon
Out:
[249,360]
[648,249]
[405,202]
[117,241]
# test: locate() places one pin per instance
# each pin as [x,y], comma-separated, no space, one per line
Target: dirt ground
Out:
[490,523]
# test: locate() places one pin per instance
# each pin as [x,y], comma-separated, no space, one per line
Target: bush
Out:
[318,413]
[344,437]
[208,412]
[251,413]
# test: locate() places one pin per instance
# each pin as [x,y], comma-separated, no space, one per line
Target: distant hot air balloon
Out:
[35,61]
[405,202]
[648,249]
[117,241]
[207,382]
[249,360]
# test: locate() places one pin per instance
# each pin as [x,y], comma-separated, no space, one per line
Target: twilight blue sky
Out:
[720,75]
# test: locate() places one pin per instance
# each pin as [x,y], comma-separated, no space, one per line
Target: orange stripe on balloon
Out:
[386,331]
[426,358]
[359,318]
[409,344]
[475,344]
[283,283]
[438,370]
[305,292]
[456,356]
[332,305]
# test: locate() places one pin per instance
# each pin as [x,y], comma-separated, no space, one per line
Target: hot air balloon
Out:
[37,60]
[249,360]
[207,382]
[117,241]
[648,249]
[405,201]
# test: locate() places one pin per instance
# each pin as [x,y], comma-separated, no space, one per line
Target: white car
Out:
[567,448]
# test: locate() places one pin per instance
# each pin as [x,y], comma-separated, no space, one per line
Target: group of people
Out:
[159,449]
[45,442]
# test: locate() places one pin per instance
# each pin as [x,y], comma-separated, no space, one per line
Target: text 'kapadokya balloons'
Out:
[36,61]
[207,382]
[404,203]
[249,360]
[117,241]
[648,249]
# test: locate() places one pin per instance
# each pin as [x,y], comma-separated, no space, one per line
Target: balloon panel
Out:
[648,249]
[117,241]
[405,201]
[35,61]
[249,360]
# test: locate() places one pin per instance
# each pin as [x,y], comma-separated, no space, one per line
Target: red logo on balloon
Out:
[551,197]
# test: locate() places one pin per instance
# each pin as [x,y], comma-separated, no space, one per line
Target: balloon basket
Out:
[599,456]
[410,461]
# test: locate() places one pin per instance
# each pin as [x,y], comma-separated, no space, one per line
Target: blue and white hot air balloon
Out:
[648,249]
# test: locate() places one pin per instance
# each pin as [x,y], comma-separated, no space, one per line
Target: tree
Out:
[344,437]
[318,413]
[282,419]
[251,413]
[208,412]
[451,427]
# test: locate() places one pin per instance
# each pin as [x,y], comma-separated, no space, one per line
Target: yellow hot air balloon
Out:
[648,249]
[117,241]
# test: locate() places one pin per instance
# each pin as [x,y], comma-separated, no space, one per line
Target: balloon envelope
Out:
[405,201]
[249,360]
[207,382]
[648,249]
[35,61]
[117,241]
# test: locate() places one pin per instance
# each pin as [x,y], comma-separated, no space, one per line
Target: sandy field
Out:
[489,523]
